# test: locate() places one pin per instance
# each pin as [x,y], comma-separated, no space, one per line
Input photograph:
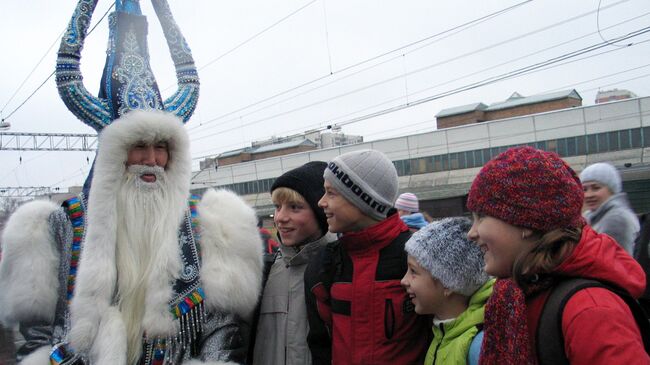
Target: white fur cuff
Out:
[199,362]
[39,357]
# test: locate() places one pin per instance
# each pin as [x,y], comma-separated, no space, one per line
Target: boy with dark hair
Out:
[358,312]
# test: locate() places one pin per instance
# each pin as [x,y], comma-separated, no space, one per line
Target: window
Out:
[445,162]
[398,167]
[487,155]
[603,146]
[646,137]
[571,146]
[581,145]
[453,161]
[437,163]
[478,158]
[592,144]
[613,141]
[469,157]
[561,147]
[551,145]
[462,163]
[625,139]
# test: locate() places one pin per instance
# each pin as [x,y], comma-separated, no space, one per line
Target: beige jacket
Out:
[282,328]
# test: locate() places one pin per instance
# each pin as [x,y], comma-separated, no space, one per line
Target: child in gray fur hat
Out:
[446,279]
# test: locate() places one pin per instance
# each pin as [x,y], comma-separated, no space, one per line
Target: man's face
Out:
[148,155]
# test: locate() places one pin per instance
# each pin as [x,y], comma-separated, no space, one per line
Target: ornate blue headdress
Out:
[127,82]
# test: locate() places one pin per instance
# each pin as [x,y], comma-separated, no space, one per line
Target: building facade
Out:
[439,166]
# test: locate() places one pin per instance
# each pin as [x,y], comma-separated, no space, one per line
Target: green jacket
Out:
[451,340]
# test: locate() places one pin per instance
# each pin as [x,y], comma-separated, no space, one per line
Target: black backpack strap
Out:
[550,340]
[401,241]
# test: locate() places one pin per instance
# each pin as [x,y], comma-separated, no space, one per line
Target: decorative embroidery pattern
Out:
[137,84]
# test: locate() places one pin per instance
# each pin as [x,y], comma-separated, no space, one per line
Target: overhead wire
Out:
[598,28]
[436,37]
[491,80]
[437,96]
[553,62]
[211,62]
[51,74]
[465,76]
[31,72]
[369,86]
[205,153]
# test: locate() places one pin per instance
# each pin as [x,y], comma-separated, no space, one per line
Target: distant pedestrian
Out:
[526,205]
[445,279]
[358,311]
[608,210]
[282,327]
[408,208]
[269,245]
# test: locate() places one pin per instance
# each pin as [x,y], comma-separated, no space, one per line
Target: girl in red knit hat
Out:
[526,206]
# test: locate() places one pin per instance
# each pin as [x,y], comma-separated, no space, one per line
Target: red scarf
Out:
[506,340]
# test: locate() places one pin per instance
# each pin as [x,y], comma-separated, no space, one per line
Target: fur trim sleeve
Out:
[40,356]
[231,273]
[29,266]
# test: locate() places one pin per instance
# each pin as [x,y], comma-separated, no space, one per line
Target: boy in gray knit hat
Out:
[358,312]
[446,279]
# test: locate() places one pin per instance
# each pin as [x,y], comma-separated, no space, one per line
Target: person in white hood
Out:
[141,271]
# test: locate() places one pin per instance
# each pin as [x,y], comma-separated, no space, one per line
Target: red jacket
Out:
[598,326]
[365,317]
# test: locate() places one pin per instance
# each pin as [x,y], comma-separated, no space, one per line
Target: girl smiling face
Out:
[500,242]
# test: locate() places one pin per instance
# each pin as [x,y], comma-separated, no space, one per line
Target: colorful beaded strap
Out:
[75,210]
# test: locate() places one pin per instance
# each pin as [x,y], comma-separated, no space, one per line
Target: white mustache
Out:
[136,171]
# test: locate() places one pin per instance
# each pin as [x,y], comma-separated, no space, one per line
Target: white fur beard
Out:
[147,256]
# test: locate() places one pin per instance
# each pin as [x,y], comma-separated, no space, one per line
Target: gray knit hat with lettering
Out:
[367,179]
[443,249]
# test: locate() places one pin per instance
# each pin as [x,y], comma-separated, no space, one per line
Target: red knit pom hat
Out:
[528,188]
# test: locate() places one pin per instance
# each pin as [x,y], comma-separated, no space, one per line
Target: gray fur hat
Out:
[442,248]
[367,179]
[603,173]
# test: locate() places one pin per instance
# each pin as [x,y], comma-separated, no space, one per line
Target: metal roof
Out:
[518,100]
[280,146]
[270,147]
[461,109]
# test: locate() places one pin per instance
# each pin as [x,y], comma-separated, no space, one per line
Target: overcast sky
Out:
[285,66]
